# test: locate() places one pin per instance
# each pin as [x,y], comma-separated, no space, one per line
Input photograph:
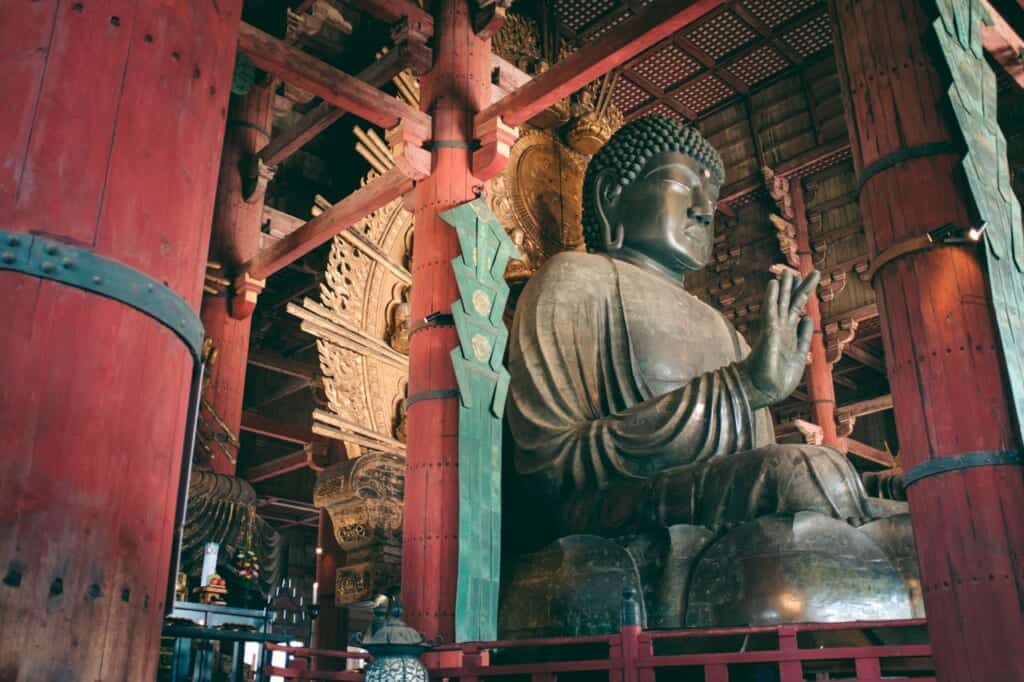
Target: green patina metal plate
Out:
[483,383]
[972,94]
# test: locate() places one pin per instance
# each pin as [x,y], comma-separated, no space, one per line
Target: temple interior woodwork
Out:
[319,327]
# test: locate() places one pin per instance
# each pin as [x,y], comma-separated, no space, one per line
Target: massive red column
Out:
[227,318]
[113,116]
[821,390]
[457,87]
[942,355]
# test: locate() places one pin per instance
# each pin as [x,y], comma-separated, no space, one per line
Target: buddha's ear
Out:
[607,192]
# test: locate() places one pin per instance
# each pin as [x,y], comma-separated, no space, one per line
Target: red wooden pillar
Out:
[942,357]
[457,87]
[820,388]
[330,629]
[113,116]
[227,318]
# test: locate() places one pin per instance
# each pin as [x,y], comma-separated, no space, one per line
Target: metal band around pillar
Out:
[886,162]
[76,267]
[968,460]
[443,394]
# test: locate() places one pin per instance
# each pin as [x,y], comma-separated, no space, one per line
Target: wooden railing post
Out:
[472,661]
[789,671]
[645,650]
[629,635]
[868,670]
[716,672]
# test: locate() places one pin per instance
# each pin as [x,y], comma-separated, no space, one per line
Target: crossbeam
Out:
[281,365]
[277,467]
[344,91]
[865,358]
[375,194]
[868,453]
[394,10]
[323,115]
[865,407]
[633,36]
[1003,44]
[271,428]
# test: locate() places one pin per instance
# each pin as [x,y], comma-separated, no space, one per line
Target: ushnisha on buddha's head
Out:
[650,195]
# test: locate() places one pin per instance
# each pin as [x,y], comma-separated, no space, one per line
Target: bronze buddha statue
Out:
[643,447]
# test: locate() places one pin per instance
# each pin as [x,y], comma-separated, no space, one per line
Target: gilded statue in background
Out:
[644,449]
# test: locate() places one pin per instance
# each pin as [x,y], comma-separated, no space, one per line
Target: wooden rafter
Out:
[281,365]
[395,10]
[294,66]
[375,194]
[633,36]
[271,428]
[1003,44]
[865,407]
[868,453]
[278,467]
[865,358]
[324,114]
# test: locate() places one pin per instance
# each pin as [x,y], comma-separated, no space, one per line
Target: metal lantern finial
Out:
[396,648]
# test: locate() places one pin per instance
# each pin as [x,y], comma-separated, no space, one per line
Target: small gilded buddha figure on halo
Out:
[637,410]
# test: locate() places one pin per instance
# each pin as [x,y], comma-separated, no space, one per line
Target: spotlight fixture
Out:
[319,551]
[975,233]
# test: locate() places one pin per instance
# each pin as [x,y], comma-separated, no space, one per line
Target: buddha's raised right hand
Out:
[774,367]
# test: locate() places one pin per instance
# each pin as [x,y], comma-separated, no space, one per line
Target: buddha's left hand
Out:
[774,368]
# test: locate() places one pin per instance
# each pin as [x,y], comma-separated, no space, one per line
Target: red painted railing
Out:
[892,651]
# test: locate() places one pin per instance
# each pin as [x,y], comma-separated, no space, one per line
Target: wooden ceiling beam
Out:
[277,467]
[340,89]
[271,428]
[660,20]
[322,116]
[1003,44]
[865,358]
[281,365]
[705,60]
[780,45]
[868,453]
[865,407]
[391,11]
[375,194]
[795,166]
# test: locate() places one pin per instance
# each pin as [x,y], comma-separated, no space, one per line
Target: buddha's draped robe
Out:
[628,410]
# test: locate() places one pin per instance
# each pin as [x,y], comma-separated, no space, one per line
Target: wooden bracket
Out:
[304,71]
[837,336]
[831,285]
[778,189]
[406,142]
[496,139]
[256,175]
[410,39]
[245,291]
[786,233]
[489,17]
[812,433]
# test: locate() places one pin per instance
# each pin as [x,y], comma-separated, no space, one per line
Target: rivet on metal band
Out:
[886,162]
[76,267]
[442,394]
[968,460]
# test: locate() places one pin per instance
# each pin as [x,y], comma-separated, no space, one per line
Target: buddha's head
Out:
[652,190]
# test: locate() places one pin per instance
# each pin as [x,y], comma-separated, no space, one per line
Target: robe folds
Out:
[628,410]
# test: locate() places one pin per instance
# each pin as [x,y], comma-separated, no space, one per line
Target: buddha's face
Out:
[667,213]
